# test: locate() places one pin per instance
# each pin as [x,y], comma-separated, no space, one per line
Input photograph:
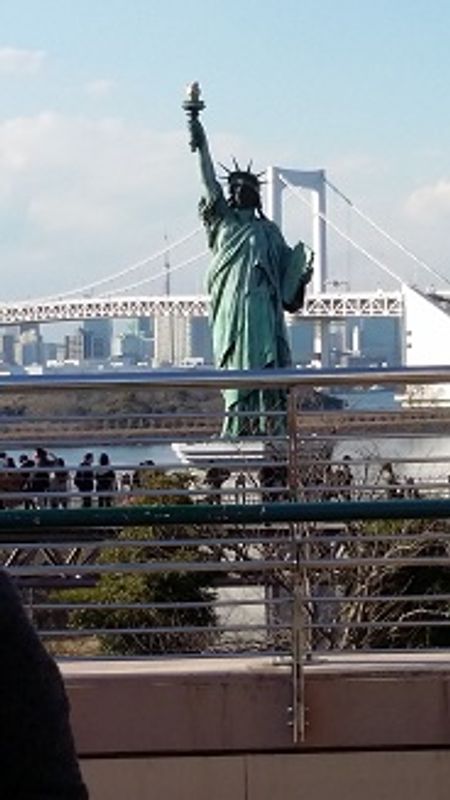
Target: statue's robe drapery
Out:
[253,276]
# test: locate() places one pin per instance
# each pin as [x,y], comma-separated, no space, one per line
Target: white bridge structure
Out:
[317,307]
[116,296]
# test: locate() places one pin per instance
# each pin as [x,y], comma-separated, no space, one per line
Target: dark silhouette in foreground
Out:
[37,754]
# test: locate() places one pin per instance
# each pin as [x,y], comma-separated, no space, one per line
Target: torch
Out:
[193,103]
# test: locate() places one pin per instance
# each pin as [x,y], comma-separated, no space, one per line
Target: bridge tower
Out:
[314,181]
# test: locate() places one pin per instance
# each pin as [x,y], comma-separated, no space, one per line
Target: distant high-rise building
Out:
[7,348]
[74,346]
[380,341]
[134,349]
[29,346]
[201,340]
[172,340]
[145,327]
[97,337]
[301,335]
[50,351]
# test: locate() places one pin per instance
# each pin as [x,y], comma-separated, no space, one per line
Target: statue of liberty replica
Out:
[253,277]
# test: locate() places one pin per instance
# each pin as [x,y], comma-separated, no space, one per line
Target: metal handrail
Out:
[189,514]
[225,379]
[286,575]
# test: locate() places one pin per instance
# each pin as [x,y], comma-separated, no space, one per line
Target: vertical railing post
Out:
[298,608]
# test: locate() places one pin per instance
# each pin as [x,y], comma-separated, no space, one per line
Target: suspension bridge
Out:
[127,293]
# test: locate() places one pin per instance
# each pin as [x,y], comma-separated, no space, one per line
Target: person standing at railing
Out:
[105,481]
[37,753]
[44,463]
[27,466]
[389,480]
[10,483]
[254,276]
[59,484]
[84,480]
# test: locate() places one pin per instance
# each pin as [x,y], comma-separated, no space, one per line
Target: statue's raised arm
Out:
[199,143]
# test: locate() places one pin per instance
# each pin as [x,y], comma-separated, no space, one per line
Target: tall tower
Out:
[170,320]
[314,181]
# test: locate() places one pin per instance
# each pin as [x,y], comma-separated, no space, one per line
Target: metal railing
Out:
[326,534]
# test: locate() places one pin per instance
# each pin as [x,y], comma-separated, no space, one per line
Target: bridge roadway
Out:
[377,726]
[321,306]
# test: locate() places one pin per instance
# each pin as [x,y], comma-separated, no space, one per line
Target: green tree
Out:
[180,599]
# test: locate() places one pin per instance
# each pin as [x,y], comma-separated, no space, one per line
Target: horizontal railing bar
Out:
[213,603]
[263,601]
[421,623]
[279,658]
[224,379]
[201,465]
[149,567]
[130,516]
[373,599]
[226,542]
[156,415]
[377,434]
[226,566]
[28,495]
[337,564]
[350,652]
[133,416]
[309,461]
[375,489]
[362,538]
[155,630]
[308,414]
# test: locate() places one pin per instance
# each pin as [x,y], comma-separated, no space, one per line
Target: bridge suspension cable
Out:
[159,274]
[125,271]
[340,232]
[386,235]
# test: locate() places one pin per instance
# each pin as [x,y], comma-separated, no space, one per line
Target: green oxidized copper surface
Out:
[252,278]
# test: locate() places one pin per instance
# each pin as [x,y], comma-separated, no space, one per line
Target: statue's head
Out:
[244,190]
[244,187]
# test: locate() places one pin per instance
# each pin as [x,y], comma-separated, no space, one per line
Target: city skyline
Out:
[95,168]
[181,341]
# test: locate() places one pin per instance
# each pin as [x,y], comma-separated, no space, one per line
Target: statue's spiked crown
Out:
[238,176]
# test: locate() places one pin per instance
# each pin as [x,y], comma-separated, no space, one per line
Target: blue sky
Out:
[94,164]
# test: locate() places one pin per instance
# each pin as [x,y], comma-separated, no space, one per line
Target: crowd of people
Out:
[44,481]
[338,482]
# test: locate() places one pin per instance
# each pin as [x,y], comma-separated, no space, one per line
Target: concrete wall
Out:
[319,776]
[199,729]
[243,706]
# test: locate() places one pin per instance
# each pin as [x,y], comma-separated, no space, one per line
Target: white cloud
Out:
[90,196]
[101,87]
[429,202]
[81,198]
[14,60]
